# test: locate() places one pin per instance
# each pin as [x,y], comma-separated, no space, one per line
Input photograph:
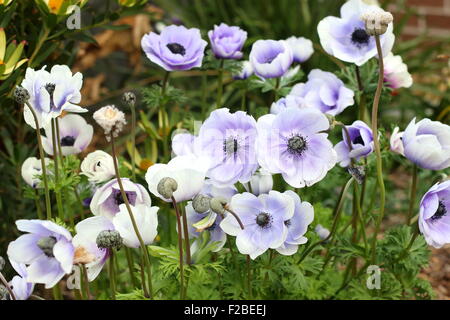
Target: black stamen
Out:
[263,220]
[176,48]
[440,212]
[119,199]
[297,145]
[358,140]
[360,37]
[67,141]
[230,146]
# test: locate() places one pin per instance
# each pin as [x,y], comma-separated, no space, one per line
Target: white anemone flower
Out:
[31,168]
[98,166]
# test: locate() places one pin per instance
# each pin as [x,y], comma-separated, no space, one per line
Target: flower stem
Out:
[243,99]
[38,206]
[379,160]
[235,216]
[130,263]
[412,197]
[133,141]
[112,276]
[362,99]
[86,282]
[220,84]
[56,161]
[180,248]
[249,278]
[187,245]
[337,214]
[277,86]
[130,212]
[48,206]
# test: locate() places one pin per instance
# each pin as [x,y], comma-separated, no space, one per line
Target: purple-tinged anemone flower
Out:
[19,285]
[302,48]
[65,93]
[47,249]
[263,218]
[297,225]
[108,198]
[183,144]
[208,220]
[290,101]
[346,38]
[227,140]
[227,41]
[396,73]
[361,142]
[396,142]
[434,215]
[176,48]
[324,91]
[322,232]
[31,170]
[247,71]
[427,144]
[188,171]
[75,134]
[270,58]
[260,182]
[294,144]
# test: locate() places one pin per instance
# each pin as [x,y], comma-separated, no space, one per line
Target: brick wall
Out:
[432,16]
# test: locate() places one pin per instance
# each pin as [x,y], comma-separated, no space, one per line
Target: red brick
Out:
[413,20]
[438,21]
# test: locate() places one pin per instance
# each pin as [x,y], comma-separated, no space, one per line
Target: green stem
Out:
[187,244]
[380,180]
[130,263]
[48,206]
[38,206]
[220,84]
[249,278]
[412,197]
[277,86]
[243,99]
[41,41]
[57,184]
[112,275]
[57,295]
[337,214]
[180,248]
[85,280]
[362,99]
[130,212]
[133,141]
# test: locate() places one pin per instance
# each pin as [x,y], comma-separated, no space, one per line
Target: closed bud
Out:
[166,187]
[21,95]
[377,21]
[129,98]
[218,205]
[200,203]
[109,239]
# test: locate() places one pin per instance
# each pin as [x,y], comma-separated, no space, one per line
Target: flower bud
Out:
[357,172]
[166,187]
[377,21]
[21,95]
[111,120]
[200,203]
[322,232]
[109,239]
[129,98]
[218,205]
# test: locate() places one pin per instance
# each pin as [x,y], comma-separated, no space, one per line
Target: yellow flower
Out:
[5,2]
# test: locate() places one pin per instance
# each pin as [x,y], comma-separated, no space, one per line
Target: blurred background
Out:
[107,51]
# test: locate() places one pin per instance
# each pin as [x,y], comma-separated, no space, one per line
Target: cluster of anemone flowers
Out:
[221,179]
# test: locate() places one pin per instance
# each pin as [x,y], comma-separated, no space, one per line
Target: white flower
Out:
[396,141]
[261,182]
[98,166]
[65,97]
[110,119]
[247,71]
[188,171]
[396,72]
[146,221]
[31,168]
[75,134]
[302,48]
[322,232]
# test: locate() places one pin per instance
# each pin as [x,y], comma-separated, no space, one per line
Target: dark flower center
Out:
[287,223]
[263,220]
[119,199]
[50,87]
[440,212]
[176,48]
[360,37]
[212,227]
[297,145]
[46,244]
[230,146]
[358,140]
[67,141]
